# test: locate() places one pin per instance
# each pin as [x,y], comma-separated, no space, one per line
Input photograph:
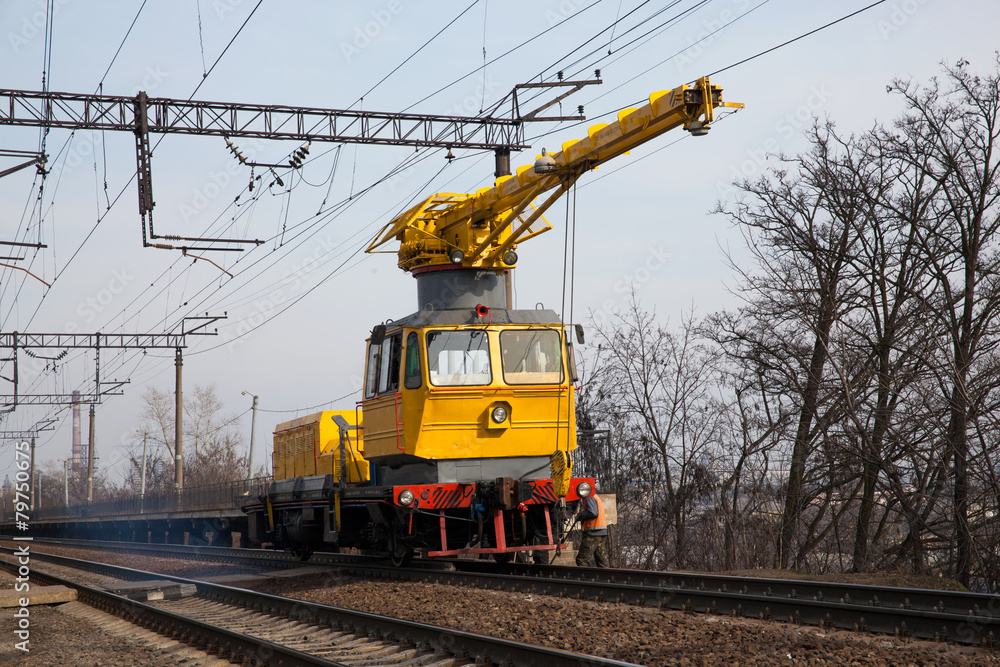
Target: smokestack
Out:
[77,437]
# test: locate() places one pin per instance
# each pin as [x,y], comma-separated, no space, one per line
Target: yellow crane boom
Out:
[481,230]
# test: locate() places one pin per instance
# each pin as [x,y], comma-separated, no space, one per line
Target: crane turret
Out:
[474,235]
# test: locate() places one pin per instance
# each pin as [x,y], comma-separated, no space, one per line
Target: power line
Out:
[312,407]
[421,48]
[718,71]
[210,69]
[504,54]
[122,44]
[802,36]
[135,174]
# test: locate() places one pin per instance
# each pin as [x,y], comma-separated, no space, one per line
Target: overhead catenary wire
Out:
[313,407]
[133,22]
[412,55]
[143,355]
[203,78]
[762,53]
[100,85]
[486,12]
[201,41]
[134,174]
[110,206]
[231,43]
[795,39]
[309,291]
[504,54]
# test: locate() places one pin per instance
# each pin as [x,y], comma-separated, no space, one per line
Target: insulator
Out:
[559,75]
[579,109]
[597,73]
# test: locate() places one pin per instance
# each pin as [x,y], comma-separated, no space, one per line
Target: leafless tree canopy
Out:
[845,416]
[214,449]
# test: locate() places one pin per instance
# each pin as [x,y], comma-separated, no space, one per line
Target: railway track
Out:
[967,618]
[255,628]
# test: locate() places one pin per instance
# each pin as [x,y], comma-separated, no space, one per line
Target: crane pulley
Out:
[481,230]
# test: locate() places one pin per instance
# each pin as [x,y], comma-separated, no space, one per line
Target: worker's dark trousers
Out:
[592,548]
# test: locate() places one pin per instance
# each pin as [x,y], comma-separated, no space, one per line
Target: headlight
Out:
[405,497]
[583,489]
[499,414]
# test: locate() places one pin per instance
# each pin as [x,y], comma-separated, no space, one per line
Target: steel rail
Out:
[448,641]
[242,555]
[230,645]
[978,624]
[956,602]
[868,595]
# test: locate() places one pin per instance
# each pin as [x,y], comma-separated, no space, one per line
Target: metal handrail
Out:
[221,496]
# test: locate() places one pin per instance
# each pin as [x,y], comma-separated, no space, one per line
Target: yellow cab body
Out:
[468,391]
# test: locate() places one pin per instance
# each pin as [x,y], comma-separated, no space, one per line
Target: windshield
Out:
[456,358]
[531,357]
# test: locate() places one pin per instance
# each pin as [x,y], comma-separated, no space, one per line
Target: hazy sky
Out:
[643,219]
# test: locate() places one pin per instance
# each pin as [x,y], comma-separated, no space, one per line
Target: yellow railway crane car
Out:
[468,407]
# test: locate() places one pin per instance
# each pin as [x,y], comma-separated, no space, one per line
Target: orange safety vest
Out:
[599,521]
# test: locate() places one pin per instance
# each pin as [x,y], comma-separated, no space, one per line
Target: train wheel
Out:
[401,556]
[503,558]
[302,551]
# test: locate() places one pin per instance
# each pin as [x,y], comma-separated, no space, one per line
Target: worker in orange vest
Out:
[595,533]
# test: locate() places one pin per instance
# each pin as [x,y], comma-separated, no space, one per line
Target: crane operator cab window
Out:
[411,379]
[382,370]
[371,370]
[392,355]
[532,356]
[457,358]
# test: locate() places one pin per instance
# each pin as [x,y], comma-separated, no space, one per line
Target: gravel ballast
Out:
[640,635]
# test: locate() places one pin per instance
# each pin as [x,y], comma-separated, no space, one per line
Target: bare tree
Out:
[752,422]
[949,133]
[653,390]
[802,233]
[214,433]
